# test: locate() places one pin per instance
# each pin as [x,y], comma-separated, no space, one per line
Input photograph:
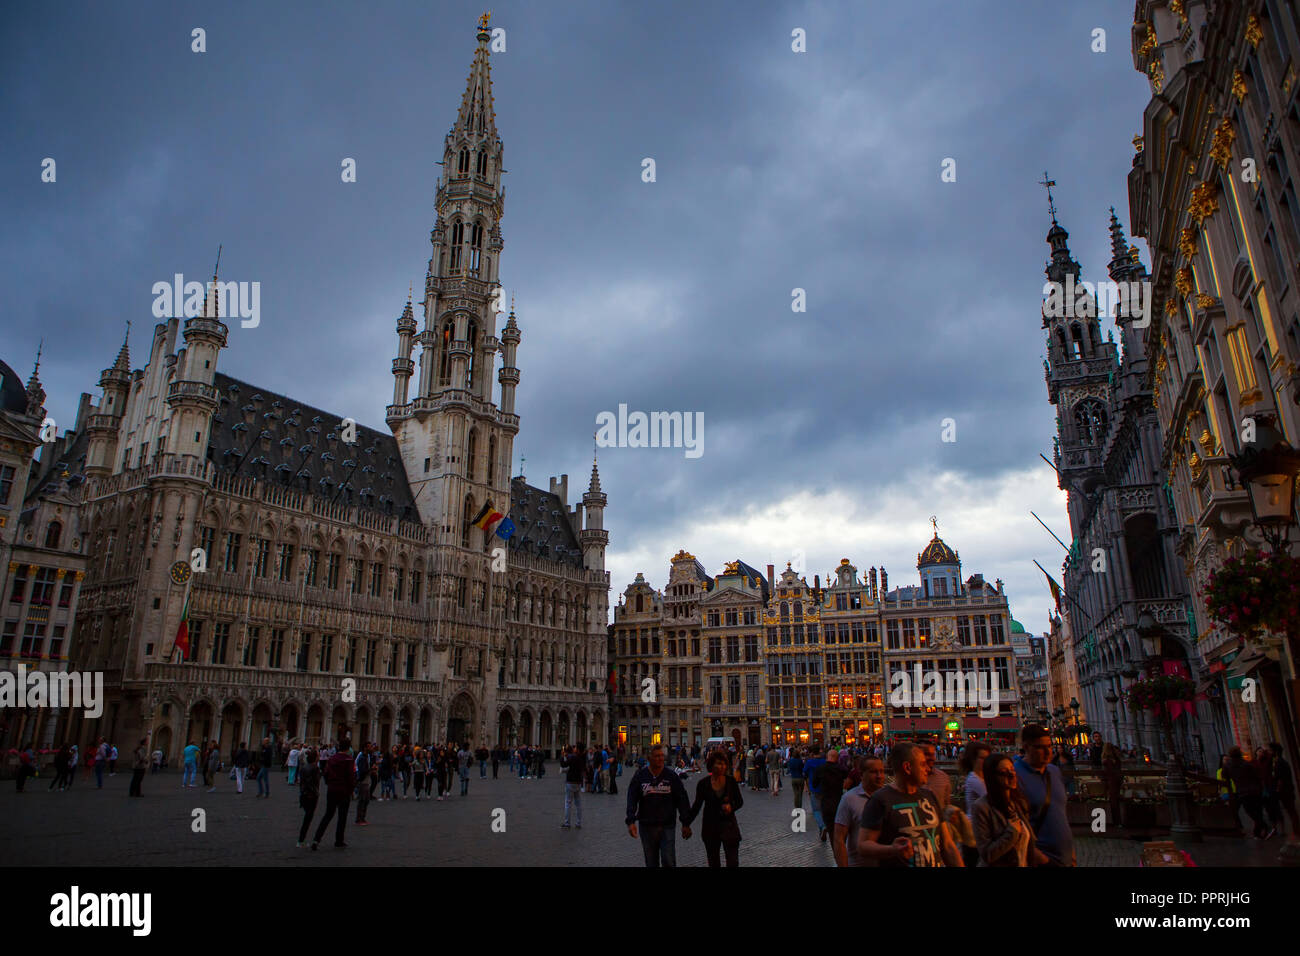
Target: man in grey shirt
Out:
[848,818]
[774,770]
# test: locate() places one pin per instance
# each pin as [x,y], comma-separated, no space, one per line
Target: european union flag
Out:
[505,529]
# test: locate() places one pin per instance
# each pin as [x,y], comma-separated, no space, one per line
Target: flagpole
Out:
[189,582]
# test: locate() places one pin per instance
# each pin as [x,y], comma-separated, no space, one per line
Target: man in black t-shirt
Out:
[902,824]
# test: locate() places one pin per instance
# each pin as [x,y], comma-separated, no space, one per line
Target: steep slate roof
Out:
[262,434]
[542,524]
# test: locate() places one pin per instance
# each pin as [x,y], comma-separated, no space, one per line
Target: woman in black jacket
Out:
[718,795]
[1002,829]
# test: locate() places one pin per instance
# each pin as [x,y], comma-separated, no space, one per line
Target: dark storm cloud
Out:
[775,171]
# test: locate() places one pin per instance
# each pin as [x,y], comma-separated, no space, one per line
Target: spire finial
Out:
[934,523]
[217,268]
[39,347]
[1048,184]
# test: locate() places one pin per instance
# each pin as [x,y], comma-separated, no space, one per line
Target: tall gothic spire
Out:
[123,360]
[477,113]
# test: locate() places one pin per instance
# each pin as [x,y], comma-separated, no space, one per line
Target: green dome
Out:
[1017,627]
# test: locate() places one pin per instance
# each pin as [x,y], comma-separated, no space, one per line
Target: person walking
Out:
[308,781]
[848,816]
[496,760]
[774,770]
[340,779]
[655,796]
[463,760]
[26,766]
[1043,786]
[971,764]
[73,758]
[1250,791]
[61,767]
[795,765]
[295,753]
[718,796]
[1002,830]
[481,755]
[902,825]
[1112,773]
[264,769]
[363,764]
[1283,787]
[574,764]
[387,791]
[419,769]
[189,766]
[211,767]
[101,762]
[242,760]
[828,783]
[139,767]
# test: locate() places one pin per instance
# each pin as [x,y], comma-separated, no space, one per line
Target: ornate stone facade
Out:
[332,576]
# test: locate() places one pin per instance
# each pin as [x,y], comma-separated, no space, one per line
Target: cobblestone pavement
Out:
[89,827]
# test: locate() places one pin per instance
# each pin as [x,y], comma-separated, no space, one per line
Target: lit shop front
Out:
[798,733]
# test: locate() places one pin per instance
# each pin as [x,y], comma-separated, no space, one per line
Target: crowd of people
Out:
[874,805]
[895,807]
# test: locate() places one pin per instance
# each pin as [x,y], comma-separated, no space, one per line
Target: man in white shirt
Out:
[294,753]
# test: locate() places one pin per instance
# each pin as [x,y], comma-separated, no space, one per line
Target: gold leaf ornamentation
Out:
[1253,32]
[1221,144]
[1183,280]
[1187,243]
[1203,204]
[1238,85]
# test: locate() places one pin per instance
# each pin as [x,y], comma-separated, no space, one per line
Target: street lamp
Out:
[1268,468]
[1074,706]
[1112,699]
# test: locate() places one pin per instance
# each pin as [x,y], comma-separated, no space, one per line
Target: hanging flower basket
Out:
[1256,592]
[1152,693]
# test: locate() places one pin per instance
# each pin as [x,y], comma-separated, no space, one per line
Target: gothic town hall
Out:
[345,580]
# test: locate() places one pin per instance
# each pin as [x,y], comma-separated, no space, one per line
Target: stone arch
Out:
[563,730]
[546,731]
[230,725]
[527,727]
[581,732]
[461,723]
[507,728]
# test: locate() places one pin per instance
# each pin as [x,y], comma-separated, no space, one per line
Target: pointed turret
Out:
[594,537]
[403,365]
[35,392]
[477,114]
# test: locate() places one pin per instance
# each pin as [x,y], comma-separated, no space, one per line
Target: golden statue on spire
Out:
[934,522]
[483,20]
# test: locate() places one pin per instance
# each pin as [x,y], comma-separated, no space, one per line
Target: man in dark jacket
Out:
[264,771]
[340,778]
[362,768]
[242,757]
[828,784]
[139,766]
[655,795]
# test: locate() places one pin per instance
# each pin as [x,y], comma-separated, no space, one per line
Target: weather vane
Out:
[1048,184]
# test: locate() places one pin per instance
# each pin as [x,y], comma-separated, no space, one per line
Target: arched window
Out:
[785,611]
[481,169]
[467,521]
[471,450]
[473,354]
[1076,335]
[444,362]
[1090,422]
[53,534]
[462,164]
[492,459]
[457,241]
[475,248]
[640,603]
[1060,341]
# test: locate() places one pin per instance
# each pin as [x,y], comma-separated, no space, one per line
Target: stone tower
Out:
[1080,369]
[456,444]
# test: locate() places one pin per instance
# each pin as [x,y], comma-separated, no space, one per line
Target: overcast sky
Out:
[776,170]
